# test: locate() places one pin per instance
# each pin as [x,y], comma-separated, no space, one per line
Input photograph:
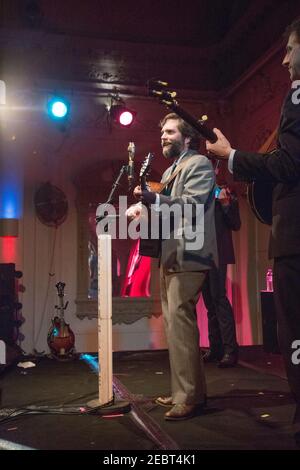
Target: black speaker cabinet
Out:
[7,302]
[269,322]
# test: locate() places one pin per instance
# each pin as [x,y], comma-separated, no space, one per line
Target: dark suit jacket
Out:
[227,219]
[283,168]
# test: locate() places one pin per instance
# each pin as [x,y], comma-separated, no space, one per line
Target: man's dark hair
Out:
[185,129]
[294,27]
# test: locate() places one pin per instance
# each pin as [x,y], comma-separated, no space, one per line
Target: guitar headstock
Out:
[60,286]
[160,90]
[145,168]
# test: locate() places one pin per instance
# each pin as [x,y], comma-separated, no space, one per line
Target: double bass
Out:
[60,337]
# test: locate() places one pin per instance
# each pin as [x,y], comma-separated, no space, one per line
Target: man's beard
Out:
[172,150]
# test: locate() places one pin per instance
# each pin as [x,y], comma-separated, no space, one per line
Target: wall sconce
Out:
[9,227]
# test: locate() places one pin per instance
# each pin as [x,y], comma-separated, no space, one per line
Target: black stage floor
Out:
[249,406]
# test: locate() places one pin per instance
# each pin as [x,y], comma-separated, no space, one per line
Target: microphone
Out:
[130,167]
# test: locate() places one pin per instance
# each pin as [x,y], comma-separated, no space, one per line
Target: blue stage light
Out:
[10,197]
[58,108]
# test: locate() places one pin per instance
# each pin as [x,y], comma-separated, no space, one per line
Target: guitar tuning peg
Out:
[204,118]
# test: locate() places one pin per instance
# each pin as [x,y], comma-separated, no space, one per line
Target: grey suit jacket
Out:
[194,185]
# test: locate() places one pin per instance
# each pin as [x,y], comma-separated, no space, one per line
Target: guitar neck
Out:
[143,183]
[199,126]
[145,171]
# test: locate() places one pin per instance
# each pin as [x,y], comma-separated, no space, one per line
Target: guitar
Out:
[259,194]
[60,337]
[144,172]
[148,246]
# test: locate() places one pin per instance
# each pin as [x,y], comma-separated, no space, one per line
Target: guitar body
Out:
[259,196]
[154,186]
[149,247]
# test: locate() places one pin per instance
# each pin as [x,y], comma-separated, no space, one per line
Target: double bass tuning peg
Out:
[203,119]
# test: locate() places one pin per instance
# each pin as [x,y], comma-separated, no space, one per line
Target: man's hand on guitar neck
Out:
[137,192]
[221,148]
[145,196]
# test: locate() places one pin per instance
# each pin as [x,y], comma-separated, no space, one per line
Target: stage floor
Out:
[249,406]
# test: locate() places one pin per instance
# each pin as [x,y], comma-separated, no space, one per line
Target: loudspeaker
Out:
[9,304]
[7,280]
[269,322]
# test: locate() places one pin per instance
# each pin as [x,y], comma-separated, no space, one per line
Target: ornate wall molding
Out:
[103,61]
[125,310]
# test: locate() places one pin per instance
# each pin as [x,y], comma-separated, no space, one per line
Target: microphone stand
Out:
[115,185]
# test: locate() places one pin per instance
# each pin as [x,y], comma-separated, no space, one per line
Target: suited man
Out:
[223,345]
[283,168]
[182,269]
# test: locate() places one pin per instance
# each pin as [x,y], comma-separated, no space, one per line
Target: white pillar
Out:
[105,319]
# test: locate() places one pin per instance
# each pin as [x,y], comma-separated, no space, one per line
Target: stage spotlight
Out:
[58,108]
[121,115]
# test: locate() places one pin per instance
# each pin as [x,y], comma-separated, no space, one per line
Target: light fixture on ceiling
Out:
[119,113]
[58,108]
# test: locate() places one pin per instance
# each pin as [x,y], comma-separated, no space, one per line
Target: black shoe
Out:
[228,360]
[211,356]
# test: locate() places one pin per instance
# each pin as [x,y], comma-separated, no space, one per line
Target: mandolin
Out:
[60,337]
